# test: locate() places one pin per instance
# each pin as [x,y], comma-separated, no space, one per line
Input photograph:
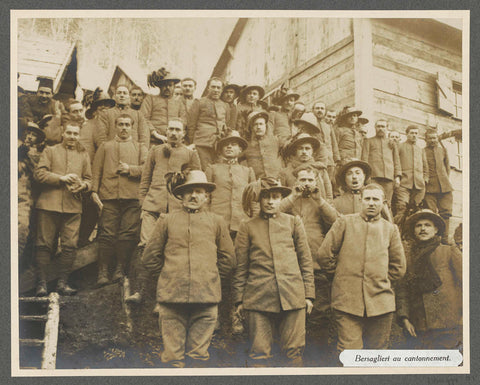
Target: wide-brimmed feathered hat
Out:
[161,76]
[99,98]
[194,178]
[424,214]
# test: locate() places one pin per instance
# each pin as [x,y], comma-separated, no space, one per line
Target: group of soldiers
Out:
[265,217]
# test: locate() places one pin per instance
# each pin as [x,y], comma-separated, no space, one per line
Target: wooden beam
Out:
[363,66]
[49,356]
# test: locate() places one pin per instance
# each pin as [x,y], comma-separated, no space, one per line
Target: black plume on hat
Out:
[175,179]
[156,77]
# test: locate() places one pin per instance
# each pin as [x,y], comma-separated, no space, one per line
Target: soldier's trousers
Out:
[356,332]
[387,185]
[187,330]
[291,328]
[207,156]
[50,225]
[441,203]
[403,196]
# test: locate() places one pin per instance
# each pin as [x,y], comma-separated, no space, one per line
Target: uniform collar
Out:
[367,219]
[267,216]
[229,161]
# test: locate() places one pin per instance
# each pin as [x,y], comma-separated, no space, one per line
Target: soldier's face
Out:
[381,128]
[215,89]
[124,127]
[431,139]
[231,150]
[137,97]
[188,87]
[270,203]
[122,96]
[44,94]
[259,127]
[253,96]
[372,202]
[394,136]
[195,198]
[175,134]
[228,95]
[354,178]
[166,89]
[319,110]
[298,111]
[412,136]
[306,178]
[76,111]
[31,138]
[178,92]
[424,230]
[289,103]
[70,135]
[352,119]
[304,152]
[330,117]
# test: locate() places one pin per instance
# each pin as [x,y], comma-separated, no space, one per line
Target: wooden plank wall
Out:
[273,50]
[330,79]
[405,71]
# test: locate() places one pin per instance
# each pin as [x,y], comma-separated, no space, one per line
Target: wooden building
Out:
[408,71]
[50,59]
[126,75]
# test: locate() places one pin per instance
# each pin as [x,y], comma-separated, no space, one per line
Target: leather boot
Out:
[102,275]
[41,289]
[118,274]
[64,289]
[445,240]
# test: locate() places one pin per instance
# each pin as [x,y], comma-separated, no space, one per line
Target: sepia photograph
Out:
[239,192]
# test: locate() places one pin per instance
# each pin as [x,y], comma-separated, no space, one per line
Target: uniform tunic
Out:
[382,157]
[263,156]
[106,181]
[414,166]
[349,142]
[366,256]
[153,194]
[55,162]
[189,252]
[158,111]
[275,269]
[226,199]
[441,308]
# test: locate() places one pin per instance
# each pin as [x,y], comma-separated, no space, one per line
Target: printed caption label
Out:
[396,358]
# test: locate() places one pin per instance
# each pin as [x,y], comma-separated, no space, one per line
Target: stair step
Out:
[31,342]
[38,318]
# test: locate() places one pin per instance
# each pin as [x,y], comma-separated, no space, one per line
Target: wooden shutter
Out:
[445,95]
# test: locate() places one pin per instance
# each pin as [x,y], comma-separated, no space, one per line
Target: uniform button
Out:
[436,291]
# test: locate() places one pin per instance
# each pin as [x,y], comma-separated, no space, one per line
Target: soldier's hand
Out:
[79,187]
[239,312]
[69,178]
[191,147]
[96,199]
[397,181]
[409,327]
[309,305]
[123,168]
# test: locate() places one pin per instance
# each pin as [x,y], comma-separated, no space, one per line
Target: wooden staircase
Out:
[38,327]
